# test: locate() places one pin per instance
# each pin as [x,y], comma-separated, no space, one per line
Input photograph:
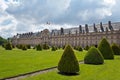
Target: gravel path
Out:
[19,77]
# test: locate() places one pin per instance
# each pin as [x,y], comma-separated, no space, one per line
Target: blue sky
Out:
[18,16]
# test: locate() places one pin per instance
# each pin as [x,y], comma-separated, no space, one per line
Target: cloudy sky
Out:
[18,16]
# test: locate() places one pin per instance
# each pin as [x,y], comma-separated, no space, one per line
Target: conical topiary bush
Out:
[80,48]
[8,46]
[93,56]
[116,49]
[105,49]
[39,47]
[24,47]
[68,63]
[53,48]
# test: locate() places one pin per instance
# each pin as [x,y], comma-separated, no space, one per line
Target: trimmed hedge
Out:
[115,49]
[39,47]
[45,46]
[86,48]
[28,47]
[80,48]
[8,46]
[93,56]
[54,48]
[68,63]
[106,49]
[24,47]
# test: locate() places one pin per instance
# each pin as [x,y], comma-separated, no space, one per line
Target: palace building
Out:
[78,36]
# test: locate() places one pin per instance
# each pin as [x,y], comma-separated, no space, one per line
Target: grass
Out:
[110,70]
[17,62]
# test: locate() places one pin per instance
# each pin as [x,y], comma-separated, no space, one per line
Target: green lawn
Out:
[110,70]
[16,61]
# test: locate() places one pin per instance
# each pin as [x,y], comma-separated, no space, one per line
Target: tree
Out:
[93,56]
[115,49]
[28,46]
[8,46]
[87,47]
[39,47]
[80,48]
[54,48]
[105,49]
[24,47]
[68,63]
[2,41]
[45,46]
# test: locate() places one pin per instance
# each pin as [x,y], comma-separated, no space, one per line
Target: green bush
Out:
[105,49]
[93,56]
[3,45]
[80,48]
[28,47]
[8,46]
[13,46]
[63,47]
[87,47]
[24,47]
[45,46]
[39,47]
[19,46]
[68,63]
[54,48]
[76,47]
[116,49]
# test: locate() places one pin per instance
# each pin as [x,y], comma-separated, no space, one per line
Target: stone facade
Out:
[79,36]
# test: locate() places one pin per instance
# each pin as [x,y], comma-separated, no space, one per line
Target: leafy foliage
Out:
[28,46]
[105,49]
[45,46]
[94,56]
[8,46]
[24,47]
[19,46]
[87,47]
[68,63]
[2,41]
[54,48]
[39,47]
[116,49]
[80,48]
[63,47]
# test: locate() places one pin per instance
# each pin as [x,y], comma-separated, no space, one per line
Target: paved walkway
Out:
[19,77]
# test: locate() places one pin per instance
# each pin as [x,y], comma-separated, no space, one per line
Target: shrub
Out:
[75,47]
[13,46]
[87,47]
[93,56]
[63,47]
[24,47]
[116,49]
[39,47]
[19,46]
[45,46]
[8,46]
[54,48]
[68,63]
[3,45]
[80,48]
[105,49]
[28,46]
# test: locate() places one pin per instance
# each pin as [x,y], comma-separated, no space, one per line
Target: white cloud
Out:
[109,3]
[3,5]
[61,13]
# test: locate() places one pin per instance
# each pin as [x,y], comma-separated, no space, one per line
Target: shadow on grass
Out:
[68,74]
